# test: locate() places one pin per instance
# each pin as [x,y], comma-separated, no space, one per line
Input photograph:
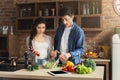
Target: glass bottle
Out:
[97,11]
[29,10]
[84,9]
[93,8]
[21,12]
[88,8]
[11,30]
[26,54]
[97,8]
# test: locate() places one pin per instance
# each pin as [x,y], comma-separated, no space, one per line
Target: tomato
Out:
[70,68]
[64,69]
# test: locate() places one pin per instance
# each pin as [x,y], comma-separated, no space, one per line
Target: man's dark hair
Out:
[66,11]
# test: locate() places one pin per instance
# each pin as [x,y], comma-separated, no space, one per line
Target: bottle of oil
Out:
[26,54]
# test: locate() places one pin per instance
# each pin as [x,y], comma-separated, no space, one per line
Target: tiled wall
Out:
[110,20]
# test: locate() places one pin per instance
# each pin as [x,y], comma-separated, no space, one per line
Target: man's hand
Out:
[64,56]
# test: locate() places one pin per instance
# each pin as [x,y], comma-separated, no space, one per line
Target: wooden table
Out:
[42,74]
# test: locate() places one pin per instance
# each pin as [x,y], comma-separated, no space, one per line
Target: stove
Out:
[6,67]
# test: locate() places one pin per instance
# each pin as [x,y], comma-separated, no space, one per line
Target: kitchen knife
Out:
[56,63]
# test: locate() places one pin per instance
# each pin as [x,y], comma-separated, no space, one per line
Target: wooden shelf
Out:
[92,29]
[89,22]
[25,18]
[91,15]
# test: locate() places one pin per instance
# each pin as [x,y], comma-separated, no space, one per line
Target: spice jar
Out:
[40,13]
[46,12]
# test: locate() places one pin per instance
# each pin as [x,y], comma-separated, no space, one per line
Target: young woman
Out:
[38,42]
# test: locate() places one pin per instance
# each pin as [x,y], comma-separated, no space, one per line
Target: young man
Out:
[69,38]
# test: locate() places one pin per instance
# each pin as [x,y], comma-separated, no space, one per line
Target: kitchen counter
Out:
[42,74]
[100,60]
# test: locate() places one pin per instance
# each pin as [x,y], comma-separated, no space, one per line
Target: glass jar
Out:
[29,11]
[40,13]
[23,12]
[46,12]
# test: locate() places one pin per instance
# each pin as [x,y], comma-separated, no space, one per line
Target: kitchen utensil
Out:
[5,29]
[56,63]
[2,62]
[13,62]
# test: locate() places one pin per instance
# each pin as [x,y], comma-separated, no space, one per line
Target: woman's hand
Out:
[54,53]
[36,53]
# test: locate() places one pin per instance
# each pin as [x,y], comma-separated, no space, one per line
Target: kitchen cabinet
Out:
[8,46]
[106,64]
[88,13]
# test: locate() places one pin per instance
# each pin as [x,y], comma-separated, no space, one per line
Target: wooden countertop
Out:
[100,60]
[42,74]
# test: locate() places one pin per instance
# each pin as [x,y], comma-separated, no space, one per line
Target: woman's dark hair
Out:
[33,30]
[66,11]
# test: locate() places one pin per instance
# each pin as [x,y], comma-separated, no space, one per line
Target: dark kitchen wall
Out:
[7,12]
[110,20]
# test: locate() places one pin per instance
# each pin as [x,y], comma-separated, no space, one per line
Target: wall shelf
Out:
[88,13]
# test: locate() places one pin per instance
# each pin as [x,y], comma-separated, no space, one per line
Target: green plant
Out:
[90,63]
[33,67]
